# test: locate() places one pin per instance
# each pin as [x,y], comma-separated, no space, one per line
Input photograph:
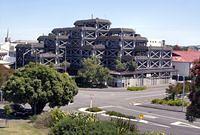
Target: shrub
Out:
[43,120]
[48,119]
[81,124]
[118,114]
[7,110]
[33,118]
[136,88]
[56,115]
[94,109]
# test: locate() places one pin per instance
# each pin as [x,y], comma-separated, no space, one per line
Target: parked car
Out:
[20,111]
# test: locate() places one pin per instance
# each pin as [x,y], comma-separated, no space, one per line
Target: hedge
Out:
[176,102]
[118,114]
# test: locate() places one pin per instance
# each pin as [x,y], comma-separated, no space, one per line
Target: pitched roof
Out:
[185,56]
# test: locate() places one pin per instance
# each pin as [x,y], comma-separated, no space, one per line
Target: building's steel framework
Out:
[95,37]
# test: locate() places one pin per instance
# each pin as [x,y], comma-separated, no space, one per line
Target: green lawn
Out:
[20,127]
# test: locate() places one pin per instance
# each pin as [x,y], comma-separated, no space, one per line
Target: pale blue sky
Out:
[176,21]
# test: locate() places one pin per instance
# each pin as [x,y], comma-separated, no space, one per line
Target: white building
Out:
[183,61]
[8,50]
[156,42]
[7,53]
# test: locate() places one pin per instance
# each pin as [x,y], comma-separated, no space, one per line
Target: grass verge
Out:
[136,88]
[21,127]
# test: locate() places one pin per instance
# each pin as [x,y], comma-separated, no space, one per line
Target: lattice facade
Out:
[95,37]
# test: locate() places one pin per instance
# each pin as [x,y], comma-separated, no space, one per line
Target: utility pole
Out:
[183,93]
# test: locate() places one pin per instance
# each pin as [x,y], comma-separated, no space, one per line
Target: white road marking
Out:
[181,124]
[137,104]
[109,106]
[159,125]
[150,116]
[153,95]
[134,120]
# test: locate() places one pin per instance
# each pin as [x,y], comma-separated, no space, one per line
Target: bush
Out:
[176,102]
[118,114]
[136,88]
[94,109]
[43,120]
[81,124]
[7,110]
[48,119]
[56,115]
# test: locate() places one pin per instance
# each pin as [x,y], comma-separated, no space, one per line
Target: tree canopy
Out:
[120,66]
[128,66]
[38,85]
[93,74]
[193,110]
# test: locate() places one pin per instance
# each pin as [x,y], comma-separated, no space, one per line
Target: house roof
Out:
[185,56]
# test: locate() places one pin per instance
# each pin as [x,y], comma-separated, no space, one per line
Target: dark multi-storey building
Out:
[94,37]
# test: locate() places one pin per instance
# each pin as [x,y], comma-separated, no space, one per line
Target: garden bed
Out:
[93,110]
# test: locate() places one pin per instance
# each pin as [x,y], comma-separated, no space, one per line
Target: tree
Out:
[177,48]
[65,65]
[38,85]
[193,110]
[93,74]
[120,66]
[131,66]
[174,90]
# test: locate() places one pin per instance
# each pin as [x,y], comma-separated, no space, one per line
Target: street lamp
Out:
[25,54]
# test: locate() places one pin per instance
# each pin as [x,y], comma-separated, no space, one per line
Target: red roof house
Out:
[185,56]
[182,61]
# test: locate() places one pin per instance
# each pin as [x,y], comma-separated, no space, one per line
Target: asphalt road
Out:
[123,101]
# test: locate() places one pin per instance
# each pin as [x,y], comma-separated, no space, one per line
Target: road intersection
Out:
[127,102]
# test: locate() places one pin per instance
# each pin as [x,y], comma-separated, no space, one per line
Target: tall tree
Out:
[93,74]
[193,110]
[38,85]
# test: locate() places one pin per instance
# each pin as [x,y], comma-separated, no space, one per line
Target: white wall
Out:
[182,67]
